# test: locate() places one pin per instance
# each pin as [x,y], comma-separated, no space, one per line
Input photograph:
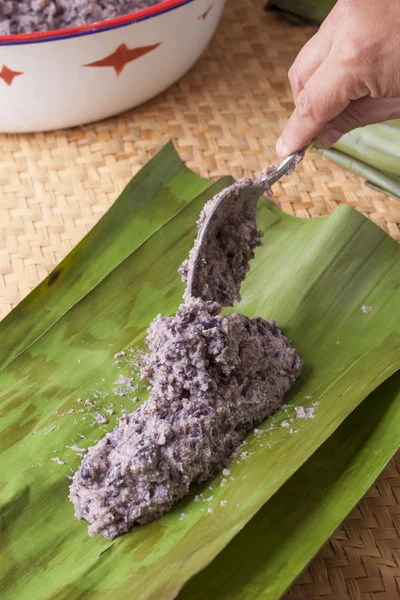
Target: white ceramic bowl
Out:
[74,76]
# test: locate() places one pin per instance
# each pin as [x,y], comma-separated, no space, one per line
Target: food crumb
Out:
[245,455]
[366,309]
[68,412]
[100,419]
[305,413]
[127,381]
[77,449]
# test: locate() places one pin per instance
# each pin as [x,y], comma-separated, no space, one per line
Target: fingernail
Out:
[280,148]
[328,138]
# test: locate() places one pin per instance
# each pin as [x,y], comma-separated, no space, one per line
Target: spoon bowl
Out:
[219,259]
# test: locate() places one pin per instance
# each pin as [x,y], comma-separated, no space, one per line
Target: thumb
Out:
[325,96]
[358,113]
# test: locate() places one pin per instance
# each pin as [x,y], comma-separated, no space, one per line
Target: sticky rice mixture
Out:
[30,16]
[213,379]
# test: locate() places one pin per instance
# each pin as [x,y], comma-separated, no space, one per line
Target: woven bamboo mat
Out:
[224,117]
[361,561]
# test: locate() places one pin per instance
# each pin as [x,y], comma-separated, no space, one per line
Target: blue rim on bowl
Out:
[70,32]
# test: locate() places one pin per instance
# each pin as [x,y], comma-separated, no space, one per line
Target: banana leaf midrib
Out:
[387,184]
[375,145]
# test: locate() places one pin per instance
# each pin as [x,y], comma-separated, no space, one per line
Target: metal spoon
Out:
[239,199]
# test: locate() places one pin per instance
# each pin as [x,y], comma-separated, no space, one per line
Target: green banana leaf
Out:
[376,145]
[373,153]
[379,180]
[314,11]
[312,276]
[159,190]
[282,538]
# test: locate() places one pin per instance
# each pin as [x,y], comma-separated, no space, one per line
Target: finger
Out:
[359,113]
[307,61]
[325,96]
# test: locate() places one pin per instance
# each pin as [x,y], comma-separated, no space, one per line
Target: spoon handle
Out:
[285,168]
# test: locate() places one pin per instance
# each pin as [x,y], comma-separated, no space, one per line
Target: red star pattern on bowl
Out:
[204,15]
[121,57]
[8,75]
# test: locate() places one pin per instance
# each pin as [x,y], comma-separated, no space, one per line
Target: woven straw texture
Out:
[361,561]
[224,117]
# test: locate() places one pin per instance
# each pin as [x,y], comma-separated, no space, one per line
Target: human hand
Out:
[346,76]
